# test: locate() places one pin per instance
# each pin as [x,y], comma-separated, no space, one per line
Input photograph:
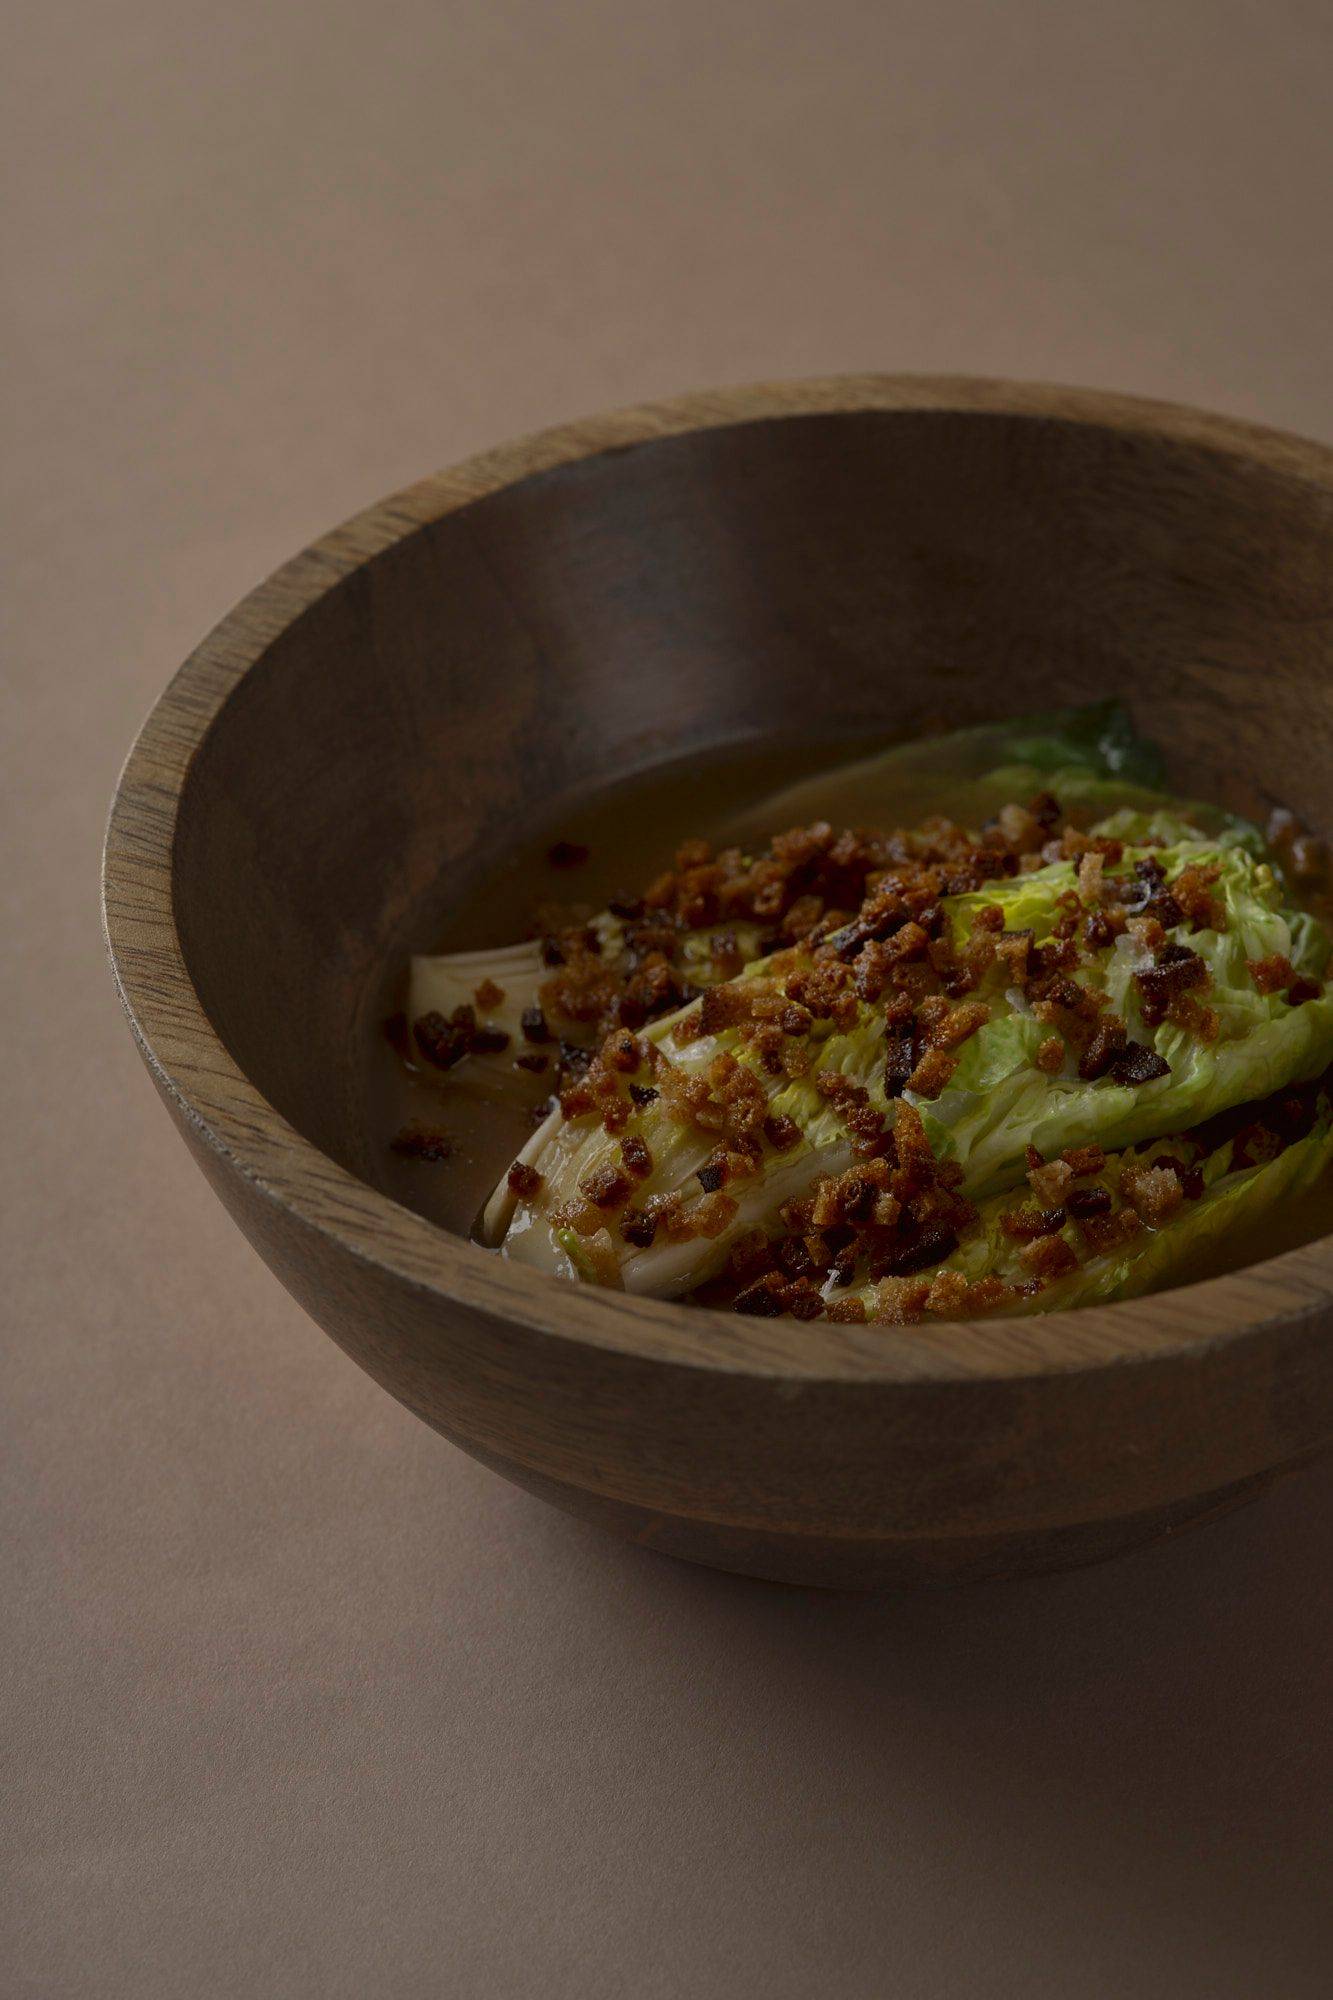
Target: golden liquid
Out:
[631,831]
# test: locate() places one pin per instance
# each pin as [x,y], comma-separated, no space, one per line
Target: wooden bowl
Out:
[840,556]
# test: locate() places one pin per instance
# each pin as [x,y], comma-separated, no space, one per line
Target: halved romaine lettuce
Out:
[1236,1202]
[997,1103]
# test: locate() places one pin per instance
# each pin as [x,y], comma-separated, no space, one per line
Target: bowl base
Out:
[837,1563]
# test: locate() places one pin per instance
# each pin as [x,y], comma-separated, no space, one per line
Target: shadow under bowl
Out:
[365,730]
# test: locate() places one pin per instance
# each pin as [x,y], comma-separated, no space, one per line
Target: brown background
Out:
[302,1702]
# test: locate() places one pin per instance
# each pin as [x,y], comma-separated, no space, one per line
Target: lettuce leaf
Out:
[1238,1199]
[997,1103]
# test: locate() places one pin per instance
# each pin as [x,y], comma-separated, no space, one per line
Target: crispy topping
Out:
[1050,1181]
[947,1295]
[445,1042]
[1272,974]
[772,1295]
[1176,970]
[1136,1064]
[1104,1233]
[524,1181]
[851,1101]
[1049,1257]
[1108,1040]
[1154,1192]
[899,1301]
[932,1073]
[638,1229]
[1191,893]
[1026,1224]
[711,1214]
[850,1312]
[782,1132]
[901,1058]
[422,1142]
[605,1186]
[1083,1202]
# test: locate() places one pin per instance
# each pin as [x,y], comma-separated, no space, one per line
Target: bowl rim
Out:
[233,1121]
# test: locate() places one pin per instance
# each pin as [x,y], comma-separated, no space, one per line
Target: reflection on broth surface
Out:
[1063,1040]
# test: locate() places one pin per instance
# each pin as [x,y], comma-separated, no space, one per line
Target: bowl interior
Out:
[819,575]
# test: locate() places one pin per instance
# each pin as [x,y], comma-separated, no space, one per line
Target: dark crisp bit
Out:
[1301,990]
[1108,1039]
[642,1093]
[534,1062]
[636,1156]
[534,1025]
[523,1181]
[1271,974]
[637,1228]
[763,1298]
[420,1142]
[1088,1201]
[1104,1233]
[1025,1225]
[781,1132]
[711,1175]
[445,1042]
[605,1186]
[901,1059]
[932,1246]
[1135,1064]
[772,1295]
[567,854]
[1176,971]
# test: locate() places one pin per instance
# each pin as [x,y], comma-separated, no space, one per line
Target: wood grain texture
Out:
[872,552]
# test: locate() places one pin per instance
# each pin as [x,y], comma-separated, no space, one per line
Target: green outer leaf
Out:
[997,1104]
[1232,1206]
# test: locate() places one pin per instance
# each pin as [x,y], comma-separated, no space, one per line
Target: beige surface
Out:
[301,1701]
